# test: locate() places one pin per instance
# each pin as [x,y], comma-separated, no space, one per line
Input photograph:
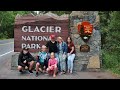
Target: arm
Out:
[55,63]
[72,49]
[65,47]
[31,57]
[49,63]
[47,44]
[19,60]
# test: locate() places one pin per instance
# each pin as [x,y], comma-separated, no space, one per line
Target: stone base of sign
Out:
[93,70]
[94,62]
[86,61]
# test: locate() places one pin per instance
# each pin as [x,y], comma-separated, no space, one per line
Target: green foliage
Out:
[61,12]
[110,30]
[7,23]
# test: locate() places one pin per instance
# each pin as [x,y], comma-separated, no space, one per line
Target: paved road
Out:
[6,46]
[6,51]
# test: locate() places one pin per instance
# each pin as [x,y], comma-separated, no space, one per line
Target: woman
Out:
[62,51]
[71,54]
[25,59]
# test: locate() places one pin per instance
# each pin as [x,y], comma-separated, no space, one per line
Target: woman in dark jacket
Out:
[25,59]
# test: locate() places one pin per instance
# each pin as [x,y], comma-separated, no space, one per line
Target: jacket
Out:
[64,47]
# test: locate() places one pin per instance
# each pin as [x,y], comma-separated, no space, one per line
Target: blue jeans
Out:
[62,62]
[71,57]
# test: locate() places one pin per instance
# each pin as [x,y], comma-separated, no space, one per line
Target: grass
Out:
[2,38]
[5,38]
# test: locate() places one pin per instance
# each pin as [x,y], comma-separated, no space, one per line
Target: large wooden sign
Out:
[33,31]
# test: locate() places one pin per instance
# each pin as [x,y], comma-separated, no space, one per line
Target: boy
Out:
[25,59]
[42,61]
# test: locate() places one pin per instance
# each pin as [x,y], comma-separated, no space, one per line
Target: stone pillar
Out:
[86,60]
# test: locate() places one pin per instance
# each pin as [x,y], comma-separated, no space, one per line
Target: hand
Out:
[64,56]
[25,61]
[68,54]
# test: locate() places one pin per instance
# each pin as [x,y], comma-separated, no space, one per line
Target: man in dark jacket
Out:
[25,59]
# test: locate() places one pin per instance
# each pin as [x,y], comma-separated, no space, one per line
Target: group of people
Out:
[56,56]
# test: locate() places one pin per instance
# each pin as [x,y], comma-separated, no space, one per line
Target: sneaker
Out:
[71,71]
[60,73]
[64,72]
[68,71]
[21,71]
[36,74]
[30,71]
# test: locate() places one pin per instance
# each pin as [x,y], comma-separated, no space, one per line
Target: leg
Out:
[20,68]
[31,65]
[57,56]
[48,70]
[68,62]
[60,62]
[64,64]
[55,71]
[71,62]
[37,66]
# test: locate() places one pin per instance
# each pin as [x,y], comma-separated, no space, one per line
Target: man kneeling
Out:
[25,59]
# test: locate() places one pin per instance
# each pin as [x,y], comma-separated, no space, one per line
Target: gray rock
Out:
[76,36]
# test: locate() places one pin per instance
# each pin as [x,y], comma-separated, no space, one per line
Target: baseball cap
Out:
[52,36]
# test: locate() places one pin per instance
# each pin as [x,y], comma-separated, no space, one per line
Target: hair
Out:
[70,39]
[43,46]
[60,38]
[27,49]
[52,53]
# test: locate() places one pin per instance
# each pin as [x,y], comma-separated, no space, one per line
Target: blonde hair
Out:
[43,46]
[60,38]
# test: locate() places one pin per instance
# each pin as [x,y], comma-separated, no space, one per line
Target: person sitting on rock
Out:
[42,60]
[25,59]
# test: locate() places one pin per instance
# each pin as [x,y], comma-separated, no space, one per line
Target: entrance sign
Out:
[34,31]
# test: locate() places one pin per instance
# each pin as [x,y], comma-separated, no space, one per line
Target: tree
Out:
[7,22]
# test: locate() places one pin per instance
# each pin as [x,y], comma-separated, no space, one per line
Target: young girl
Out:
[71,54]
[52,65]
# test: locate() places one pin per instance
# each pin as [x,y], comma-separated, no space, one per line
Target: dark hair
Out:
[25,48]
[70,39]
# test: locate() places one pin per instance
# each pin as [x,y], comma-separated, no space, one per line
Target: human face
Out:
[52,55]
[25,51]
[68,40]
[59,40]
[44,49]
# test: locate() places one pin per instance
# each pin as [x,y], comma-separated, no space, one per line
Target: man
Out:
[52,47]
[25,59]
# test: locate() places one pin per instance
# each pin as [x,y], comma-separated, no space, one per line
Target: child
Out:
[42,60]
[25,59]
[52,65]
